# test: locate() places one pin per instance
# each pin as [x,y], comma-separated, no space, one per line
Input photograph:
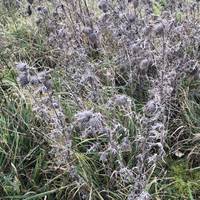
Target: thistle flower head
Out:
[120,100]
[23,78]
[21,66]
[103,5]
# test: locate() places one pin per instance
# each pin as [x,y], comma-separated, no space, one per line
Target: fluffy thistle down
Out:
[46,107]
[111,80]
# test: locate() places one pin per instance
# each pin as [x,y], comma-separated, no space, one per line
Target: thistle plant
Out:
[116,85]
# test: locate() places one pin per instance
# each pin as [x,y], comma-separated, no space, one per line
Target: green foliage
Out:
[157,8]
[185,181]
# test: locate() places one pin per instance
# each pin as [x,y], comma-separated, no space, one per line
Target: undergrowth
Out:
[99,100]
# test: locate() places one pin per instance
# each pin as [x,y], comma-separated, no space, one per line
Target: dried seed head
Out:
[126,175]
[103,5]
[126,145]
[144,196]
[94,147]
[135,3]
[89,123]
[151,107]
[158,127]
[191,67]
[87,30]
[23,79]
[159,29]
[147,30]
[131,18]
[42,10]
[135,48]
[84,116]
[48,84]
[41,90]
[39,21]
[42,76]
[93,37]
[34,80]
[96,121]
[120,100]
[21,66]
[61,33]
[144,64]
[166,14]
[88,77]
[103,156]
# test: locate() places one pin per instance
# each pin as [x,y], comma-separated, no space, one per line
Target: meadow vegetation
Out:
[100,99]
